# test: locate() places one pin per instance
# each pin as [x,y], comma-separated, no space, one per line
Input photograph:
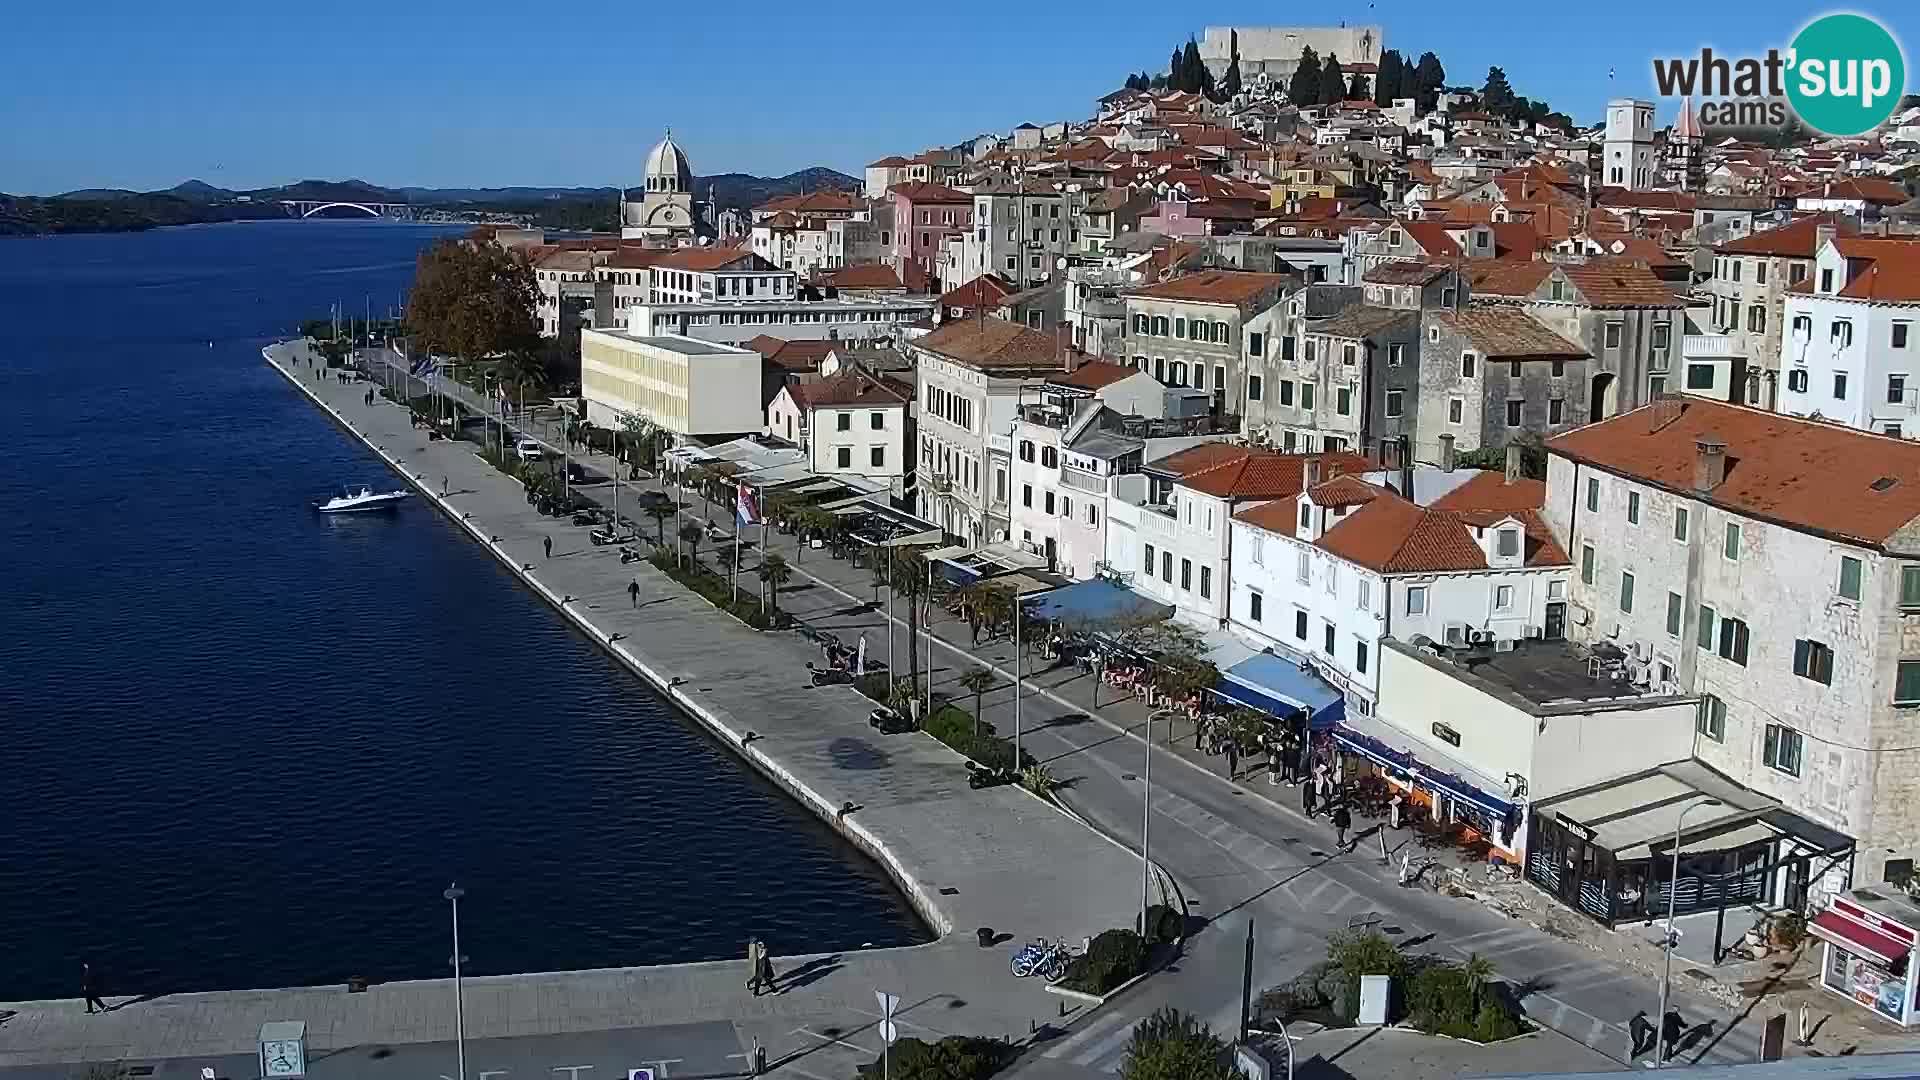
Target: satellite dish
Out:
[1060,263]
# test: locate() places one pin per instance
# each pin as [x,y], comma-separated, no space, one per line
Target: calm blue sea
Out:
[242,745]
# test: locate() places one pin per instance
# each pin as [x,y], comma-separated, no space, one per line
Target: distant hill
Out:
[120,210]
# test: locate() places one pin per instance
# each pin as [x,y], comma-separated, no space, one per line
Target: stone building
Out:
[1274,51]
[1490,374]
[1191,331]
[665,213]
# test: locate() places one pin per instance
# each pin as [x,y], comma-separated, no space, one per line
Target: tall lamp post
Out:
[1673,892]
[1146,815]
[453,894]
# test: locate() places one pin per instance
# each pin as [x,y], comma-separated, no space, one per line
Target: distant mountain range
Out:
[195,201]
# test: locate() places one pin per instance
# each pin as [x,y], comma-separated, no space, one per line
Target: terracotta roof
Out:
[1505,277]
[1262,475]
[849,389]
[1891,273]
[864,276]
[1802,473]
[892,161]
[1198,458]
[1507,333]
[921,192]
[1216,287]
[703,259]
[1363,321]
[1794,240]
[987,290]
[1871,189]
[1620,283]
[799,356]
[1393,536]
[1432,237]
[1404,273]
[989,343]
[1489,490]
[1646,200]
[1095,374]
[637,258]
[826,200]
[1345,490]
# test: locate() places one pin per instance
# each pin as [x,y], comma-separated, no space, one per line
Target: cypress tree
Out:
[1304,88]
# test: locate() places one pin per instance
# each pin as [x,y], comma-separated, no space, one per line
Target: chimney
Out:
[1709,465]
[1513,463]
[1665,410]
[1446,453]
[1405,454]
[1823,235]
[1313,472]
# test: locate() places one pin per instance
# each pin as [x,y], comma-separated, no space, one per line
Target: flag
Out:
[746,507]
[860,660]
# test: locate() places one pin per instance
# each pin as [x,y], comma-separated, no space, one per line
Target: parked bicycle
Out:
[1047,959]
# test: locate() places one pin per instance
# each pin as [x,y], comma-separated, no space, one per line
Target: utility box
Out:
[1374,991]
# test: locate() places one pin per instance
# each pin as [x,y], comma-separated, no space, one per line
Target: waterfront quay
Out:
[999,858]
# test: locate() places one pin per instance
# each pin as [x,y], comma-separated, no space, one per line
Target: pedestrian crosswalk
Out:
[1101,1045]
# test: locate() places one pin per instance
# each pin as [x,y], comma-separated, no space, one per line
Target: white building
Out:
[850,424]
[684,386]
[1330,573]
[1628,151]
[665,214]
[737,321]
[1772,566]
[1848,354]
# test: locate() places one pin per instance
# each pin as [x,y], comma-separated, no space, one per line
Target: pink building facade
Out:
[924,216]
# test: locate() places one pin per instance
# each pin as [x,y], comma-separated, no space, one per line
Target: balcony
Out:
[1705,346]
[1044,415]
[1083,481]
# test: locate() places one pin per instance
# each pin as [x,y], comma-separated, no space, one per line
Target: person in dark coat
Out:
[1342,821]
[1306,799]
[633,592]
[90,988]
[547,542]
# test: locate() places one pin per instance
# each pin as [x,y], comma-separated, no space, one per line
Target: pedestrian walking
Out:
[1640,1030]
[756,956]
[90,988]
[443,487]
[1306,799]
[633,592]
[1342,821]
[766,967]
[547,542]
[1393,810]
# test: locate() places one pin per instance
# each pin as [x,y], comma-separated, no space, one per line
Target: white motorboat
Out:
[352,501]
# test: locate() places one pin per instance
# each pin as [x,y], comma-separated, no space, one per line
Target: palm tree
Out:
[691,535]
[978,680]
[523,371]
[1479,971]
[660,510]
[775,572]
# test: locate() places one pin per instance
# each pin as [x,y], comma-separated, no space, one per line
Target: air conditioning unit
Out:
[1535,632]
[1481,637]
[1504,645]
[1456,633]
[1642,652]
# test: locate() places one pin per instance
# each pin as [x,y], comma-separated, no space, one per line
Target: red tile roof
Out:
[704,259]
[1805,474]
[920,192]
[798,356]
[1095,374]
[1891,273]
[1508,333]
[1620,283]
[826,200]
[1872,189]
[1216,287]
[1197,458]
[864,276]
[987,290]
[1262,475]
[1794,240]
[849,389]
[1489,490]
[1393,536]
[989,344]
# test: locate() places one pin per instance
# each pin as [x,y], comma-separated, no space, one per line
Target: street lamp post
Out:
[453,894]
[1673,892]
[1146,816]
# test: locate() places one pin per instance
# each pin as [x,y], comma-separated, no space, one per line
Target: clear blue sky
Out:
[490,92]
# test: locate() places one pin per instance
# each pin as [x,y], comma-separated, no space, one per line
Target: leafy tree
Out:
[956,1057]
[659,510]
[1172,1045]
[473,300]
[774,572]
[1479,972]
[1357,89]
[977,681]
[1497,95]
[1333,81]
[1386,82]
[1230,82]
[691,535]
[1428,77]
[1304,88]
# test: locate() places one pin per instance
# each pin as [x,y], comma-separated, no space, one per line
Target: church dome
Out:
[667,168]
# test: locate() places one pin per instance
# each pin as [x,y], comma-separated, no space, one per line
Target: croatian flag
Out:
[747,507]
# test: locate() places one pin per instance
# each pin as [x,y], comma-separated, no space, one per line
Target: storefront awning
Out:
[1855,938]
[1095,602]
[1282,688]
[1411,759]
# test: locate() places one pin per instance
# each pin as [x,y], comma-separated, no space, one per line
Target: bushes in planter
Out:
[1172,1045]
[956,1057]
[1164,925]
[955,727]
[1440,998]
[1450,999]
[1111,959]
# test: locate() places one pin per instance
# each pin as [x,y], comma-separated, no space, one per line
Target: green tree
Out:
[1496,95]
[1333,81]
[1172,1045]
[1176,76]
[660,510]
[691,535]
[810,522]
[977,681]
[1357,88]
[774,572]
[1304,88]
[1479,972]
[1428,77]
[1230,81]
[1386,82]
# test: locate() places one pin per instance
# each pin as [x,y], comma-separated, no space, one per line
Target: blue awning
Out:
[1281,688]
[1093,602]
[1426,768]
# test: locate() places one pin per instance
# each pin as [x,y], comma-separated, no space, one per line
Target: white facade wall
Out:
[712,391]
[1037,499]
[1839,359]
[858,441]
[1190,555]
[1628,161]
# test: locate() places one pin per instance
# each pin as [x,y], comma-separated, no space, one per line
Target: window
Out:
[1343,401]
[1466,365]
[1256,343]
[1839,386]
[1456,409]
[1513,413]
[1813,660]
[1559,369]
[1299,625]
[1556,410]
[1699,376]
[1360,657]
[1206,582]
[1661,338]
[1732,547]
[1254,602]
[1149,560]
[844,421]
[1179,326]
[1416,600]
[1613,335]
[1849,578]
[1733,641]
[1782,751]
[1306,396]
[1896,389]
[1797,381]
[1327,637]
[1586,564]
[1395,355]
[877,421]
[1286,392]
[1626,591]
[1680,523]
[1826,281]
[1705,633]
[1593,494]
[1513,370]
[1757,319]
[1840,335]
[844,458]
[1503,598]
[1803,326]
[1253,388]
[1395,402]
[1508,543]
[1303,570]
[1735,266]
[1674,616]
[1166,567]
[1363,593]
[1906,683]
[1633,508]
[879,456]
[1910,586]
[1711,719]
[1026,495]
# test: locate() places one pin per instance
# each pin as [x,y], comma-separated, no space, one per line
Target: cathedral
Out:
[665,214]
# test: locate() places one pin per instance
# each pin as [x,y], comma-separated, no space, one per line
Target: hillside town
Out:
[1566,479]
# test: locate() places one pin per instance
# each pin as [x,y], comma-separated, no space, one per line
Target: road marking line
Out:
[1105,1046]
[831,1039]
[1081,1037]
[1597,1034]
